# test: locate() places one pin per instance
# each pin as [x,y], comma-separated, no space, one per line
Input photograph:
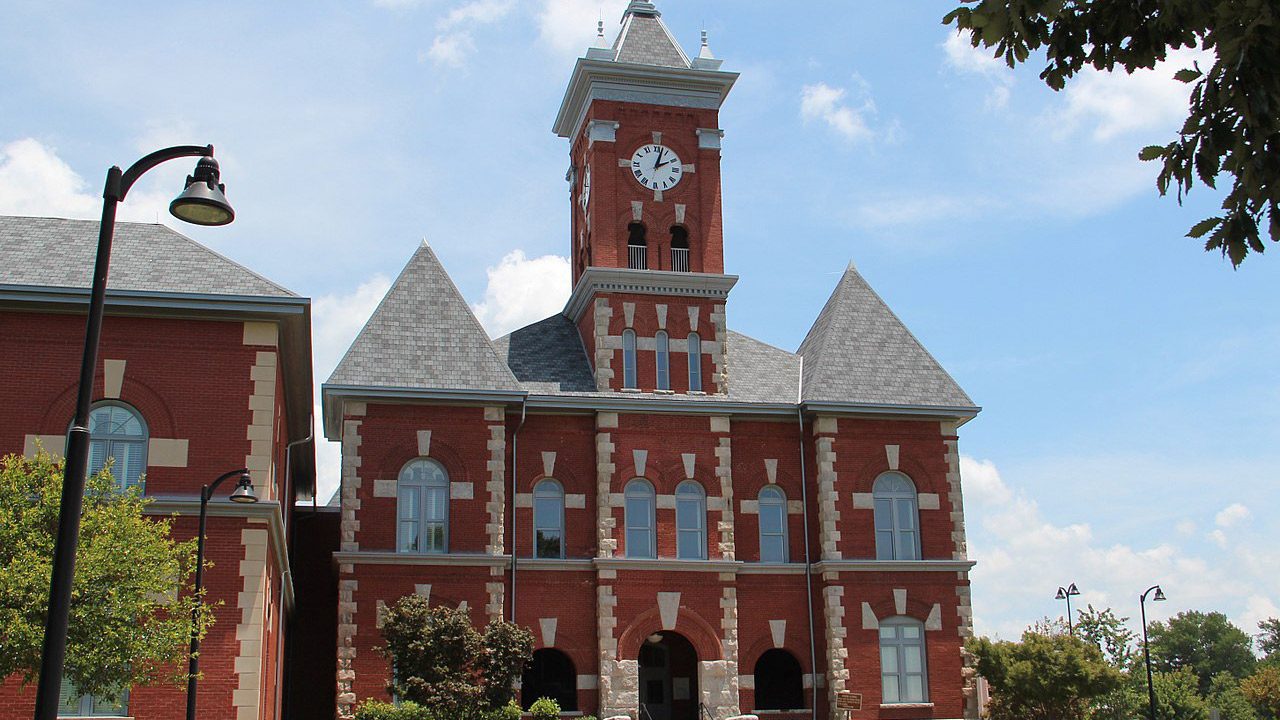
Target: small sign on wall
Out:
[679,688]
[848,701]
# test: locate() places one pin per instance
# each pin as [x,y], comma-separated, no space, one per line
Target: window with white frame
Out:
[423,508]
[639,510]
[897,517]
[691,521]
[117,432]
[548,520]
[629,358]
[695,363]
[662,344]
[71,704]
[904,675]
[773,524]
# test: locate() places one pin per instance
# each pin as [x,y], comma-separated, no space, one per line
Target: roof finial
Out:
[641,7]
[705,52]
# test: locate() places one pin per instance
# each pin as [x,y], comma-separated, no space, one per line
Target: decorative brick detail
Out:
[251,603]
[954,494]
[497,485]
[720,356]
[828,498]
[601,312]
[347,586]
[262,405]
[346,647]
[724,471]
[619,679]
[606,543]
[837,673]
[497,598]
[969,671]
[718,680]
[350,484]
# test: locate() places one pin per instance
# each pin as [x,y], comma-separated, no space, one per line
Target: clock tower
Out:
[647,244]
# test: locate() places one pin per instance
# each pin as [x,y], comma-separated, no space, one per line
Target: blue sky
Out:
[1130,434]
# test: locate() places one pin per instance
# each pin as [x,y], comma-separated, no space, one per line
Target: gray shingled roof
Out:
[644,40]
[423,336]
[858,351]
[56,252]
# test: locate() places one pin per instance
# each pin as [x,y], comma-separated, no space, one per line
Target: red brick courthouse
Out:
[686,517]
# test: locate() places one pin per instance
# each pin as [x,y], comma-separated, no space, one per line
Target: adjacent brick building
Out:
[689,519]
[204,367]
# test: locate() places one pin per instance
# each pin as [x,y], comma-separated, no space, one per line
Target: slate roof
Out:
[423,336]
[56,252]
[547,357]
[645,40]
[858,351]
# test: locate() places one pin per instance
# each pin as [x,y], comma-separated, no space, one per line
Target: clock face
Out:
[656,167]
[585,197]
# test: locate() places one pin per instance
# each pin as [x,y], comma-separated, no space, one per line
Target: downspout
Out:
[515,446]
[808,564]
[280,615]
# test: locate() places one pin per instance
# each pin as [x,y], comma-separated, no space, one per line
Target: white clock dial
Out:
[585,197]
[656,167]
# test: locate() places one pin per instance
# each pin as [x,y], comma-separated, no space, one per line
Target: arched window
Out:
[548,520]
[779,682]
[640,501]
[897,518]
[637,247]
[117,431]
[423,508]
[663,347]
[550,674]
[679,249]
[691,521]
[629,358]
[773,524]
[695,363]
[903,673]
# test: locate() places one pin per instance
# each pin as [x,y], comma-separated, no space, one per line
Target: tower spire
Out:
[641,8]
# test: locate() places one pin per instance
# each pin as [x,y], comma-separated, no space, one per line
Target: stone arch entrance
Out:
[668,665]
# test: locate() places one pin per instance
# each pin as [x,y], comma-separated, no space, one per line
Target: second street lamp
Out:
[1066,593]
[1146,647]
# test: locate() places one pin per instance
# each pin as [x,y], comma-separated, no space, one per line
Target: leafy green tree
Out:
[1178,696]
[1233,124]
[1269,639]
[1263,690]
[1204,643]
[1044,677]
[130,624]
[445,665]
[1225,694]
[1109,633]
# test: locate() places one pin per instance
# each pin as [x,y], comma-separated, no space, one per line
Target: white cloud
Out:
[479,12]
[522,291]
[1231,515]
[569,26]
[821,101]
[1023,556]
[35,181]
[455,43]
[964,58]
[1116,103]
[451,49]
[336,320]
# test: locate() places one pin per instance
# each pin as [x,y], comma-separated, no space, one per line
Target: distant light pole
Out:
[201,203]
[1146,647]
[242,494]
[1066,593]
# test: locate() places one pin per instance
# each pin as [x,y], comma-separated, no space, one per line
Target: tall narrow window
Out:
[691,521]
[695,363]
[903,673]
[897,518]
[640,501]
[73,704]
[548,520]
[663,347]
[773,525]
[423,508]
[637,247]
[679,249]
[629,358]
[116,431]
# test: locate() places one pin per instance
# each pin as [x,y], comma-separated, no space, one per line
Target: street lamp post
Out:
[201,203]
[1146,647]
[242,494]
[1066,594]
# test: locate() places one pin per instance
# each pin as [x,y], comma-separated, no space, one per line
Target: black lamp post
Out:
[1146,647]
[242,494]
[202,203]
[1066,594]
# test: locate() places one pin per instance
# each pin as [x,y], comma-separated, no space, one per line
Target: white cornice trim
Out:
[651,84]
[895,566]
[645,282]
[772,569]
[378,557]
[555,564]
[268,510]
[669,564]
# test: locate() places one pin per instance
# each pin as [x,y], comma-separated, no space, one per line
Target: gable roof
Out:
[858,351]
[645,40]
[423,335]
[57,252]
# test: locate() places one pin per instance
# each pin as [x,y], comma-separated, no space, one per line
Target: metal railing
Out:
[703,712]
[680,259]
[644,713]
[638,257]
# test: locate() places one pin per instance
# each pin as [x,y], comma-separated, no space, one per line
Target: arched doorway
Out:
[779,682]
[668,677]
[549,674]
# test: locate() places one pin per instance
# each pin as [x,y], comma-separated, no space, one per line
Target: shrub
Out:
[545,709]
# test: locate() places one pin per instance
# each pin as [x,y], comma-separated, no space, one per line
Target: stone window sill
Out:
[906,706]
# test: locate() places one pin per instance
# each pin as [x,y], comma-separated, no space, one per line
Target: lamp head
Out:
[204,201]
[655,638]
[1072,589]
[244,491]
[1062,594]
[1159,595]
